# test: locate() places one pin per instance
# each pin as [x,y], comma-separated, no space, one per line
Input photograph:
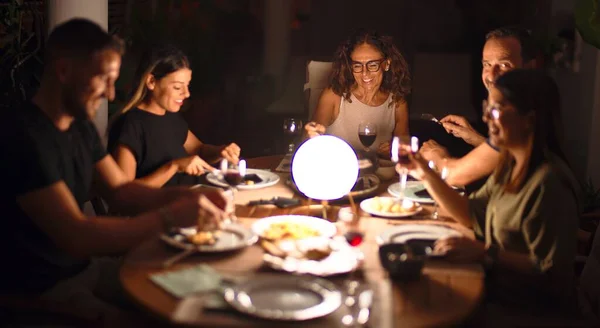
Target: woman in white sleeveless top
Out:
[369,83]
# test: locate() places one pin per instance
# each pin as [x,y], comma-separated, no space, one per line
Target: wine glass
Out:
[367,133]
[401,147]
[349,226]
[292,129]
[233,175]
[442,170]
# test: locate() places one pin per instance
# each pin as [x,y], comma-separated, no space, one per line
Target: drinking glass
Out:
[442,170]
[349,226]
[233,175]
[367,133]
[292,129]
[401,147]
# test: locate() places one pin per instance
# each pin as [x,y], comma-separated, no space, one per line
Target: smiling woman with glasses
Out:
[369,83]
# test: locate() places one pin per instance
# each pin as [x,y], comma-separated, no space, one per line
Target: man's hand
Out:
[199,209]
[433,151]
[460,127]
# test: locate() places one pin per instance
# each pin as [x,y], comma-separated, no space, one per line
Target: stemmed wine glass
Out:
[233,175]
[401,147]
[442,170]
[367,133]
[292,129]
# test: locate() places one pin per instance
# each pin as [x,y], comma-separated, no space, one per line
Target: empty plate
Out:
[286,297]
[404,232]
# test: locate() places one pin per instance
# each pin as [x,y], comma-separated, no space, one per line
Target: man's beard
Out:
[75,107]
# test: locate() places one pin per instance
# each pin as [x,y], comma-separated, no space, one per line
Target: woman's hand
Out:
[231,153]
[460,249]
[433,151]
[460,127]
[418,167]
[314,129]
[192,165]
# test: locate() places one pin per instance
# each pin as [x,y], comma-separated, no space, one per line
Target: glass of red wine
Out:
[401,148]
[233,175]
[367,133]
[348,224]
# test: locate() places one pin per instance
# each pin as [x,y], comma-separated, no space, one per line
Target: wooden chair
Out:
[317,80]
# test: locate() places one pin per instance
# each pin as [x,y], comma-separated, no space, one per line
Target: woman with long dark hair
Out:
[527,213]
[369,82]
[148,138]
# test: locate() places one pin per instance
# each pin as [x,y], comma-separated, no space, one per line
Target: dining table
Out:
[446,294]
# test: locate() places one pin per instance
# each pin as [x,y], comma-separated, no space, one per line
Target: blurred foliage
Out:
[21,45]
[587,20]
[591,196]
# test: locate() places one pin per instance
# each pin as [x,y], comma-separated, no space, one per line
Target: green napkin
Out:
[197,279]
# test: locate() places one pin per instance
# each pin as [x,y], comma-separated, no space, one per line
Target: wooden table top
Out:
[446,293]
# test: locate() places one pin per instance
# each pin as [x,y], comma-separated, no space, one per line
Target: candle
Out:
[395,146]
[223,166]
[242,167]
[414,144]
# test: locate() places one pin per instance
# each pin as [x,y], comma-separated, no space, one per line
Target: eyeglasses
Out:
[372,66]
[491,111]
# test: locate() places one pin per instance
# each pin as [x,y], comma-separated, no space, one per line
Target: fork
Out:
[430,117]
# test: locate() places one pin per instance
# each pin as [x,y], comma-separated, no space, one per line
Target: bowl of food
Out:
[401,261]
[386,170]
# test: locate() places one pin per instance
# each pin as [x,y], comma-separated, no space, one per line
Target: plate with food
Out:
[228,238]
[293,227]
[415,191]
[317,256]
[365,185]
[254,179]
[390,207]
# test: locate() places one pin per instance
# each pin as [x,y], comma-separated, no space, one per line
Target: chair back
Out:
[317,80]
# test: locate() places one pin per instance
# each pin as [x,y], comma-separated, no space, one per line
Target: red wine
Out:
[233,178]
[354,238]
[367,139]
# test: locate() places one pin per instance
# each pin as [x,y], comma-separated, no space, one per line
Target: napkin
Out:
[197,279]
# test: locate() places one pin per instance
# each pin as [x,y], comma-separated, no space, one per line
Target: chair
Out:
[317,80]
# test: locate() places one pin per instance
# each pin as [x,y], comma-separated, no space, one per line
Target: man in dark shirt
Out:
[52,159]
[505,49]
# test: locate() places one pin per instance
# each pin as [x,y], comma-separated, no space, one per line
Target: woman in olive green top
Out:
[527,213]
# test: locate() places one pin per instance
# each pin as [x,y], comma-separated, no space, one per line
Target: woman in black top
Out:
[148,138]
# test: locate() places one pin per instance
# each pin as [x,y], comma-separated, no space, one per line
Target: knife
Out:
[365,299]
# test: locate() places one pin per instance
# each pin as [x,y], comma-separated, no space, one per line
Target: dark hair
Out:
[80,39]
[529,49]
[532,92]
[395,81]
[159,61]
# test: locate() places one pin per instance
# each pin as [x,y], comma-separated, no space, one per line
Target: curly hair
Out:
[395,81]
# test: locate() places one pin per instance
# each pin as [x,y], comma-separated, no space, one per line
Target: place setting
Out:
[240,177]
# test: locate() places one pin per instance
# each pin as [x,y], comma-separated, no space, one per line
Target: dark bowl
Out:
[403,262]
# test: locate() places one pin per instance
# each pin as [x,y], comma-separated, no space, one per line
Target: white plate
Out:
[342,259]
[412,187]
[366,205]
[232,237]
[284,297]
[326,229]
[268,179]
[403,232]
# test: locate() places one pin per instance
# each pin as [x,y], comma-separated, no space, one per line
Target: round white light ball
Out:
[325,168]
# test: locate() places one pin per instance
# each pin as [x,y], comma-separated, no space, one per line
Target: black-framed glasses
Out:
[491,111]
[372,66]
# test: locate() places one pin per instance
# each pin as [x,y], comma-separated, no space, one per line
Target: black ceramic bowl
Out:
[403,262]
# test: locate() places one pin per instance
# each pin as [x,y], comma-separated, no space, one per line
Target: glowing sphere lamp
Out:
[325,168]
